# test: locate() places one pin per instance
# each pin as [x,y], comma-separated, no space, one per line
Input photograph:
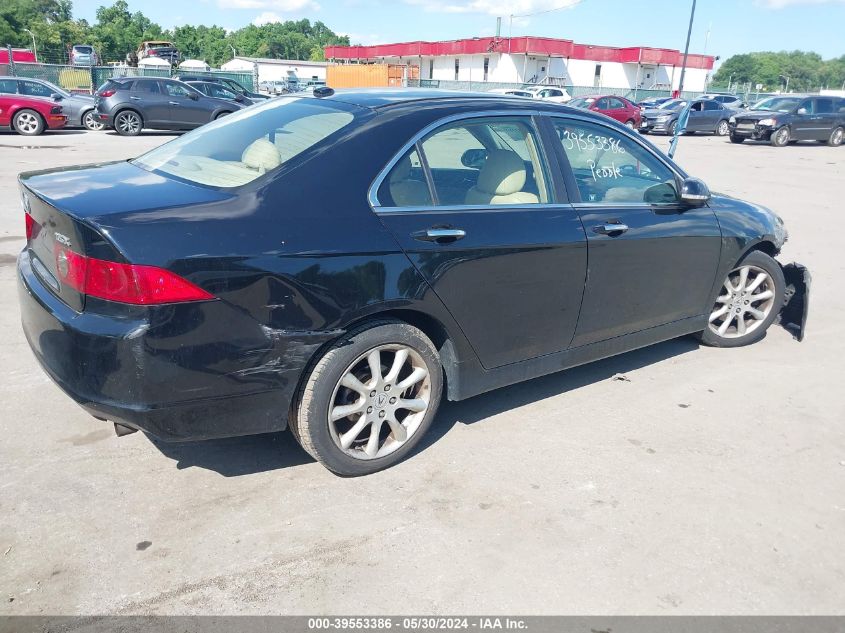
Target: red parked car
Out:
[30,115]
[618,108]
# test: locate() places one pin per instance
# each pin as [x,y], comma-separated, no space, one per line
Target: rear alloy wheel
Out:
[91,121]
[128,123]
[749,302]
[369,399]
[28,123]
[221,115]
[836,137]
[722,129]
[780,137]
[630,123]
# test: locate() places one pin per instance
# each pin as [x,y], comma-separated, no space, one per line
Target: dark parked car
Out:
[654,102]
[218,91]
[728,100]
[792,118]
[618,108]
[216,286]
[79,109]
[130,104]
[230,84]
[706,115]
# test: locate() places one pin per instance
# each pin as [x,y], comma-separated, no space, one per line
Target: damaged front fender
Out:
[793,315]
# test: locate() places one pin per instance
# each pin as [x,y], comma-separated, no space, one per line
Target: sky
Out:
[734,26]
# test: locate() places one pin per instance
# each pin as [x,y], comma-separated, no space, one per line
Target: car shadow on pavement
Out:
[481,407]
[237,456]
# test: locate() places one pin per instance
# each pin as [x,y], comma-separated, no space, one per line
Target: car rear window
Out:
[241,147]
[85,50]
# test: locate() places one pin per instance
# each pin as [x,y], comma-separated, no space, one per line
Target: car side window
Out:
[602,104]
[616,104]
[711,105]
[611,167]
[807,107]
[175,90]
[824,106]
[147,87]
[8,86]
[34,89]
[492,161]
[405,185]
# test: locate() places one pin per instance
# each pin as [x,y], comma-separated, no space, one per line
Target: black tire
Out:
[630,124]
[780,137]
[672,127]
[128,123]
[28,123]
[772,268]
[220,115]
[90,121]
[722,128]
[837,136]
[737,139]
[310,415]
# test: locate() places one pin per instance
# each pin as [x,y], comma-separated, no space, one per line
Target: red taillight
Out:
[106,93]
[30,226]
[125,283]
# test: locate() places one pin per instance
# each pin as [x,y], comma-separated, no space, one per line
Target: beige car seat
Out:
[501,180]
[405,191]
[261,155]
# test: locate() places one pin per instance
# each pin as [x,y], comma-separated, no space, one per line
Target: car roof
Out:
[378,98]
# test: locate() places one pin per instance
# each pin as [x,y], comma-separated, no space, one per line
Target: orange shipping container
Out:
[369,75]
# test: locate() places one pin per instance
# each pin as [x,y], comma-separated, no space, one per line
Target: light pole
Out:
[234,52]
[34,49]
[686,50]
[786,89]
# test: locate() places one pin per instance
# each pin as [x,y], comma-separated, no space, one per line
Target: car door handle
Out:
[135,98]
[174,103]
[610,229]
[439,235]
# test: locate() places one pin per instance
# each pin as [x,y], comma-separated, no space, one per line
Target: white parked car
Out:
[547,93]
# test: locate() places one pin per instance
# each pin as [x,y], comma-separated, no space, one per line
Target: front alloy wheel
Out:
[780,138]
[28,123]
[369,399]
[722,129]
[748,303]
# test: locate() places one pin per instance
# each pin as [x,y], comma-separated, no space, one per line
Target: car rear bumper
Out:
[178,372]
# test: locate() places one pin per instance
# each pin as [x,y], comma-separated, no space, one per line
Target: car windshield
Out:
[582,102]
[243,146]
[777,104]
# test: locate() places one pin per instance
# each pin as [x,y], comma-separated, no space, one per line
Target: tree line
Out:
[118,31]
[806,71]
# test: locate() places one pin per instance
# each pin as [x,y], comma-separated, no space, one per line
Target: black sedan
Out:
[130,104]
[339,263]
[706,115]
[792,118]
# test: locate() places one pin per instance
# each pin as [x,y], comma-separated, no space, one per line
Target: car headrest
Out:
[261,155]
[402,170]
[503,173]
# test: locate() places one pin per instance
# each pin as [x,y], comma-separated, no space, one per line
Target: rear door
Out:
[474,208]
[697,121]
[712,114]
[151,102]
[652,260]
[804,121]
[825,117]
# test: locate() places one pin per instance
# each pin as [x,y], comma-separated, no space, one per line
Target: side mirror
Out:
[694,192]
[802,111]
[56,96]
[474,158]
[193,96]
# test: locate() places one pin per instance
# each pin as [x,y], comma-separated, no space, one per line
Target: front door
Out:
[805,121]
[473,208]
[185,111]
[652,260]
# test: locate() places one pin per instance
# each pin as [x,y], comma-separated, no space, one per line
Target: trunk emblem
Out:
[64,240]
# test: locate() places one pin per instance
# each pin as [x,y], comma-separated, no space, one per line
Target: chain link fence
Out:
[86,79]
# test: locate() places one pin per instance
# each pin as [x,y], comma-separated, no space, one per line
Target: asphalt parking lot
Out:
[707,481]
